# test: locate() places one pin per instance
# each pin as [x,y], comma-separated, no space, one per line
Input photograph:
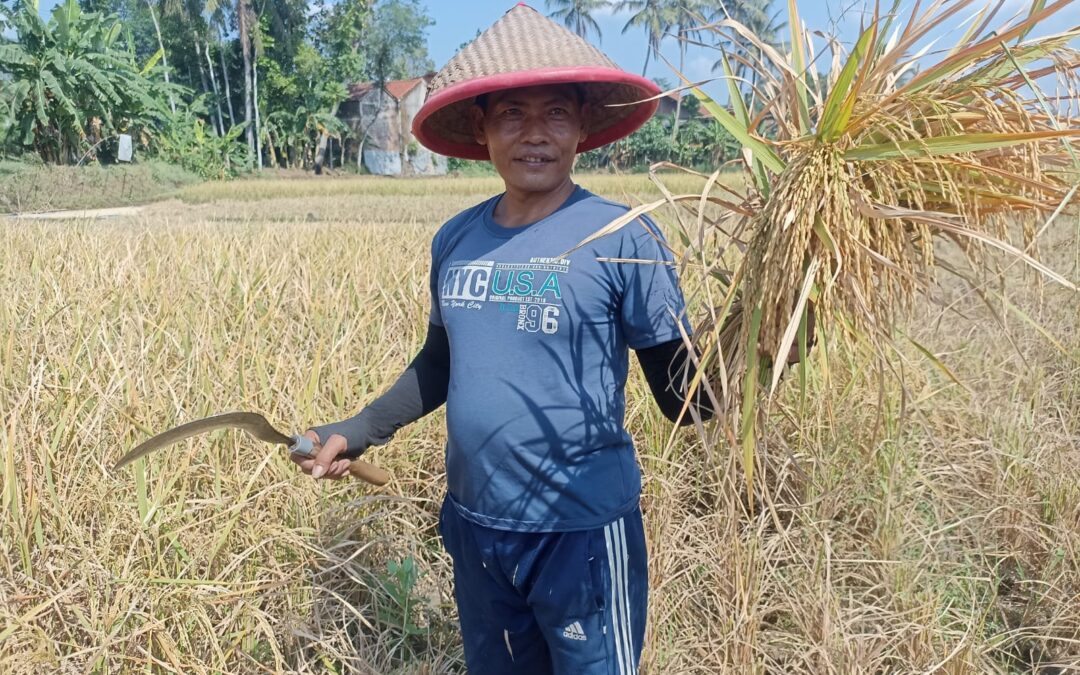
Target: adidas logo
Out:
[574,632]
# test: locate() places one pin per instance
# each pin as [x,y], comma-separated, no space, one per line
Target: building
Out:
[670,102]
[380,128]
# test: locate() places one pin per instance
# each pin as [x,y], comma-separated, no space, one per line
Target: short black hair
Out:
[579,96]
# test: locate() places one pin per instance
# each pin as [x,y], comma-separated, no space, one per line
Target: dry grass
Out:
[389,200]
[33,187]
[855,178]
[934,529]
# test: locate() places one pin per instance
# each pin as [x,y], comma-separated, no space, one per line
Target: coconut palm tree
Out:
[652,16]
[245,18]
[196,16]
[161,46]
[686,17]
[577,15]
[765,24]
[218,18]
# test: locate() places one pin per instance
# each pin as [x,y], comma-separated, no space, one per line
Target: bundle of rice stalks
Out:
[855,173]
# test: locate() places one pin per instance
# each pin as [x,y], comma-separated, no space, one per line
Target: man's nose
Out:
[535,130]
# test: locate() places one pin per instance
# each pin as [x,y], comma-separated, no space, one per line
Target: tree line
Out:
[218,86]
[226,86]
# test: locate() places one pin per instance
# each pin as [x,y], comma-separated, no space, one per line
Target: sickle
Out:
[255,425]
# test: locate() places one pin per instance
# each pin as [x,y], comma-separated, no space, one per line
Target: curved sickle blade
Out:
[253,423]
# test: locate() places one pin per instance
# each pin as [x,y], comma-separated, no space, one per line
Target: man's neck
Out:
[516,209]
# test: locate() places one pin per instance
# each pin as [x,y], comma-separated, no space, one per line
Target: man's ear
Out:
[476,119]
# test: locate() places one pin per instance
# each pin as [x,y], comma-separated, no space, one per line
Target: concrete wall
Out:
[385,125]
[382,162]
[421,161]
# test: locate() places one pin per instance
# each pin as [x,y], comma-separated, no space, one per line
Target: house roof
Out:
[399,89]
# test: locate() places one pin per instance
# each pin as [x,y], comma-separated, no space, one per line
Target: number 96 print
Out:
[536,318]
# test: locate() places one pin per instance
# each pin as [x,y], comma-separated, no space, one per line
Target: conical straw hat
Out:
[524,49]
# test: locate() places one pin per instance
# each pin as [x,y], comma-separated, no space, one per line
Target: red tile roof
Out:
[400,88]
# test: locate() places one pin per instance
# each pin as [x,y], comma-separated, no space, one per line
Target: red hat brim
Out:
[443,126]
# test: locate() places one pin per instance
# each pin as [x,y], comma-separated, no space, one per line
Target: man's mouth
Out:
[534,160]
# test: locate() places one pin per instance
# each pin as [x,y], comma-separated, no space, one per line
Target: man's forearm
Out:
[669,369]
[418,391]
[667,366]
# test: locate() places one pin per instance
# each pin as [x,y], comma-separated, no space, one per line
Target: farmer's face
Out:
[532,135]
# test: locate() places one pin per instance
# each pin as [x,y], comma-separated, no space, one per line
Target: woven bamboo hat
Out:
[524,49]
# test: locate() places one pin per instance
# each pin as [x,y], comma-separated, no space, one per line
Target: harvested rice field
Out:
[927,524]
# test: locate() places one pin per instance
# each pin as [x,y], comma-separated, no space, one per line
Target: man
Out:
[528,348]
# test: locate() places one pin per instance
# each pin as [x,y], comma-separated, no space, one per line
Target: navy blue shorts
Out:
[565,603]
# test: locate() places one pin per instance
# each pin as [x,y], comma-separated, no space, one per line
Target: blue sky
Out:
[627,50]
[457,21]
[840,17]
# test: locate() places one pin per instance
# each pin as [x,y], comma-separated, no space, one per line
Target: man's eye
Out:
[559,111]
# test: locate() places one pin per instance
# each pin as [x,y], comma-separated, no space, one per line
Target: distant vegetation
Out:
[223,87]
[217,87]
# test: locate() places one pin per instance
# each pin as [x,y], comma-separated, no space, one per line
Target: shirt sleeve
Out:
[421,389]
[435,317]
[668,368]
[652,303]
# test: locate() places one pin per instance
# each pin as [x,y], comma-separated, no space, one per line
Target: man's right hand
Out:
[326,464]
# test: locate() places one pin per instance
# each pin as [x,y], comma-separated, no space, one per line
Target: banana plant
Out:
[71,84]
[7,116]
[185,139]
[297,132]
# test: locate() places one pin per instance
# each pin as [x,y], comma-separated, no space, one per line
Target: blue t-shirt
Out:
[538,360]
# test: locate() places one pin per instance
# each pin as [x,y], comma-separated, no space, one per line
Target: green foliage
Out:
[402,613]
[72,87]
[396,43]
[286,21]
[700,143]
[138,28]
[7,117]
[292,135]
[470,167]
[188,141]
[95,70]
[300,91]
[577,15]
[308,82]
[339,35]
[399,583]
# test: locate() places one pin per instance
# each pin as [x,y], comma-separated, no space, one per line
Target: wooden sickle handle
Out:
[370,473]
